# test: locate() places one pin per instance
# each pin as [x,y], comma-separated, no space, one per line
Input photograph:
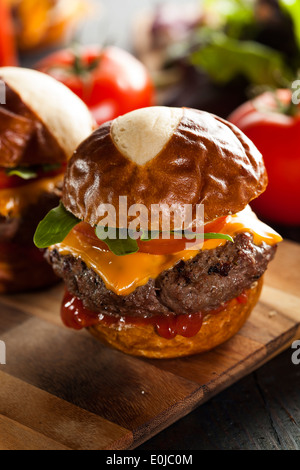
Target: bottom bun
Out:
[216,329]
[24,269]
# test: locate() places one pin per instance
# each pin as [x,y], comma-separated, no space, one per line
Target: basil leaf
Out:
[54,227]
[218,236]
[208,236]
[22,172]
[122,247]
[118,246]
[148,236]
[28,173]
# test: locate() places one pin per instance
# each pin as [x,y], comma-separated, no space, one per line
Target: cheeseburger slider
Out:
[41,124]
[155,292]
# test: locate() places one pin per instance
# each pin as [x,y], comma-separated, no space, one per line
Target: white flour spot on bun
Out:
[65,116]
[142,134]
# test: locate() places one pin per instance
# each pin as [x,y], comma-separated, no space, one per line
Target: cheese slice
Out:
[246,221]
[14,201]
[123,274]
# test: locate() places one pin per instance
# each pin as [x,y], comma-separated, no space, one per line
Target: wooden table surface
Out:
[261,411]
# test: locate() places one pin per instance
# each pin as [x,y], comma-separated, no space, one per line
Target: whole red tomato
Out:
[8,54]
[272,122]
[110,81]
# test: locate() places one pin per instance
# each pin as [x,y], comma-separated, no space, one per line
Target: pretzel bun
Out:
[161,155]
[41,123]
[216,329]
[63,114]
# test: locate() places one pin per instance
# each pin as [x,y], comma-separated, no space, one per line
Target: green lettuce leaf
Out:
[22,172]
[59,222]
[121,245]
[54,227]
[148,236]
[215,236]
[28,173]
[127,246]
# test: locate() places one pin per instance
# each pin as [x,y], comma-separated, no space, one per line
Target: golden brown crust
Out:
[207,161]
[216,329]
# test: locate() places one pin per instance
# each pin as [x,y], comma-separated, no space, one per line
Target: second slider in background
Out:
[41,124]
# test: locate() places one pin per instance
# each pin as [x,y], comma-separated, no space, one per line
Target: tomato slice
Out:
[89,233]
[170,246]
[216,226]
[153,247]
[162,247]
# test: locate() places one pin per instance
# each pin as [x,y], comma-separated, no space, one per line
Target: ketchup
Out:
[183,325]
[76,316]
[243,298]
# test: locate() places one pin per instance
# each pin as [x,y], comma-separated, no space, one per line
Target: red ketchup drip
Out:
[76,316]
[243,298]
[183,325]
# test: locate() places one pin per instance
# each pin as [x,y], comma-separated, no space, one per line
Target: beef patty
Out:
[200,284]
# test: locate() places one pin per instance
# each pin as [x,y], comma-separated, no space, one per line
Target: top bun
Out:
[64,116]
[168,156]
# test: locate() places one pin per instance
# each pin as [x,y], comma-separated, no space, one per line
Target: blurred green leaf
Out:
[224,58]
[234,14]
[292,7]
[22,172]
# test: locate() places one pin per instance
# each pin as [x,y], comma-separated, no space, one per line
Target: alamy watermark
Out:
[296,355]
[2,92]
[2,353]
[296,92]
[177,221]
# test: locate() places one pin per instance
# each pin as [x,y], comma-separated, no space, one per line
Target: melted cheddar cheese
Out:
[13,201]
[123,274]
[246,221]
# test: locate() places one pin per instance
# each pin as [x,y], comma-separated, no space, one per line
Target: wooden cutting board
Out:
[61,389]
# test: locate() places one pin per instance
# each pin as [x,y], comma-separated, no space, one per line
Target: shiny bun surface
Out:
[45,118]
[165,156]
